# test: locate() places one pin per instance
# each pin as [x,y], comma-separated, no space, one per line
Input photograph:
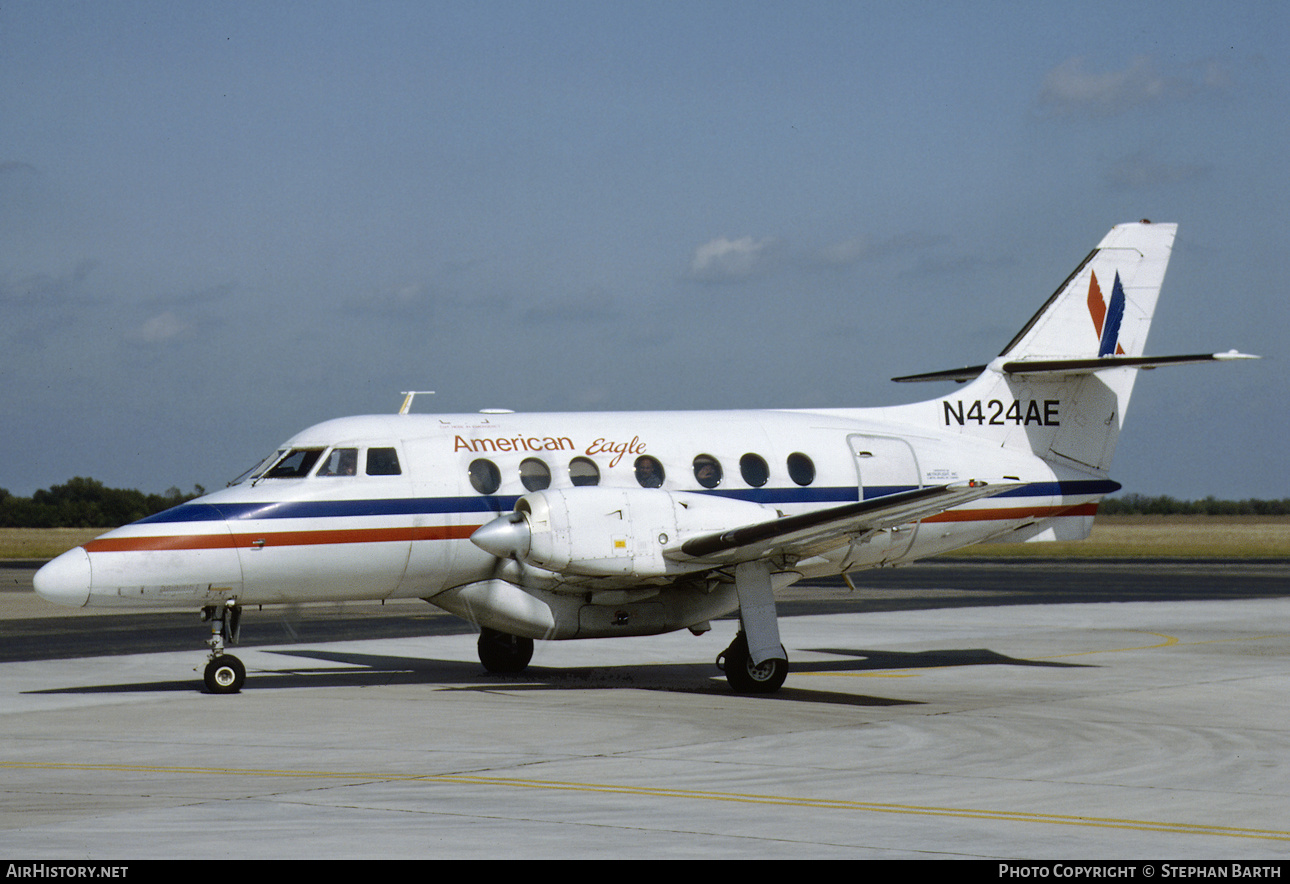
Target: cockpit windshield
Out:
[255,471]
[295,465]
[299,463]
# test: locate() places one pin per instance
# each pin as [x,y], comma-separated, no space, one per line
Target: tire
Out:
[503,653]
[745,678]
[224,674]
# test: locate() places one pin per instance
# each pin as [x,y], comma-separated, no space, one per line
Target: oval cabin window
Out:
[800,468]
[707,470]
[754,470]
[485,477]
[535,475]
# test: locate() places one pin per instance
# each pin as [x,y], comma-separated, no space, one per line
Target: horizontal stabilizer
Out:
[790,534]
[1030,367]
[961,375]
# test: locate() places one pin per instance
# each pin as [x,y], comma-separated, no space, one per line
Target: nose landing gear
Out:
[224,673]
[504,653]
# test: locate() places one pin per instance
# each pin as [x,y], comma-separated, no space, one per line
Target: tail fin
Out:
[1105,307]
[1062,385]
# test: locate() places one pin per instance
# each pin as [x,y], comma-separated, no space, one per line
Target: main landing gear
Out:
[504,653]
[224,673]
[744,676]
[758,638]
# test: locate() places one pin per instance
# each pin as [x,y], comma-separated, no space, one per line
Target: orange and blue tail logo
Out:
[1107,317]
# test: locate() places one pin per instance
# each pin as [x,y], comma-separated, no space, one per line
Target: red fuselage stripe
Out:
[463,532]
[279,538]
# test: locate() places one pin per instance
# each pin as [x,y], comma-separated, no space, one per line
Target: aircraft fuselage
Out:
[400,526]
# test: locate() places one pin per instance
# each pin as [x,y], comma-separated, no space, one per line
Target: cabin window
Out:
[383,462]
[707,469]
[754,470]
[296,465]
[649,472]
[583,471]
[535,475]
[485,477]
[341,462]
[800,468]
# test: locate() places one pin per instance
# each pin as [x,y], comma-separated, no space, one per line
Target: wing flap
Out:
[805,532]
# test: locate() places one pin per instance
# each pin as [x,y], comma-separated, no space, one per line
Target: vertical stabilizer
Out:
[1048,390]
[1105,307]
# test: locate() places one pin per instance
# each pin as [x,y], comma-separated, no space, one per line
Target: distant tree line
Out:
[1164,505]
[85,503]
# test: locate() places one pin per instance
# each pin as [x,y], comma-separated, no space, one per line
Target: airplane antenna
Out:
[409,395]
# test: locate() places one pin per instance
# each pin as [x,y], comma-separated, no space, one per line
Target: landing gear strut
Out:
[746,678]
[503,653]
[758,638]
[224,673]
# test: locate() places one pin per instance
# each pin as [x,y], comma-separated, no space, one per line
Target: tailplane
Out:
[1062,385]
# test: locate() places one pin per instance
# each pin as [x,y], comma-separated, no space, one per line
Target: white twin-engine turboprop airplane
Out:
[563,526]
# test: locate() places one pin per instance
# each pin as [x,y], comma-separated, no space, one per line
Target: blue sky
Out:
[221,222]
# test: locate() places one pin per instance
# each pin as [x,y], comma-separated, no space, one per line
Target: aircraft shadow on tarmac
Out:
[369,670]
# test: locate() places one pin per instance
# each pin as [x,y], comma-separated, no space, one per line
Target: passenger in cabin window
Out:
[707,470]
[649,472]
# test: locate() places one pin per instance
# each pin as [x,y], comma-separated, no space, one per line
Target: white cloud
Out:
[1071,88]
[867,247]
[162,327]
[725,259]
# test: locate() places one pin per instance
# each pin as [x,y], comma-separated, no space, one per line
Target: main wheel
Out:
[504,653]
[225,675]
[744,677]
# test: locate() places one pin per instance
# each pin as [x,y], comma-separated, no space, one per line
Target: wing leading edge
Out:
[808,533]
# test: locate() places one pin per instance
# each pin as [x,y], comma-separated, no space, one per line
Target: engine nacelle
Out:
[621,532]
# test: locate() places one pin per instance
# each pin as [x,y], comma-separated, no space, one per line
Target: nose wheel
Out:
[504,653]
[224,673]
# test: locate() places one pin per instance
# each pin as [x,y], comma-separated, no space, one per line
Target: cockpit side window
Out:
[296,465]
[341,462]
[383,462]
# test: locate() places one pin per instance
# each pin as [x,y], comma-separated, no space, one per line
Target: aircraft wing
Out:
[814,532]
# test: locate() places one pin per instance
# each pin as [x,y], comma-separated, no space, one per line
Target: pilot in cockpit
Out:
[341,462]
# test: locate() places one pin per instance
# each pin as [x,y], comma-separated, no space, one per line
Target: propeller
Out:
[505,537]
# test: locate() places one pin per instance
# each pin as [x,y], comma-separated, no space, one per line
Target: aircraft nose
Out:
[65,580]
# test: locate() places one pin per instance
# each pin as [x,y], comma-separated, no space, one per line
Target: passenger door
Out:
[884,465]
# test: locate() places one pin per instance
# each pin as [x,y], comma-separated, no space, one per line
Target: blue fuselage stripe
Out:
[484,505]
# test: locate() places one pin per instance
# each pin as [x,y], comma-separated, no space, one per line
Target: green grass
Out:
[43,543]
[1166,536]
